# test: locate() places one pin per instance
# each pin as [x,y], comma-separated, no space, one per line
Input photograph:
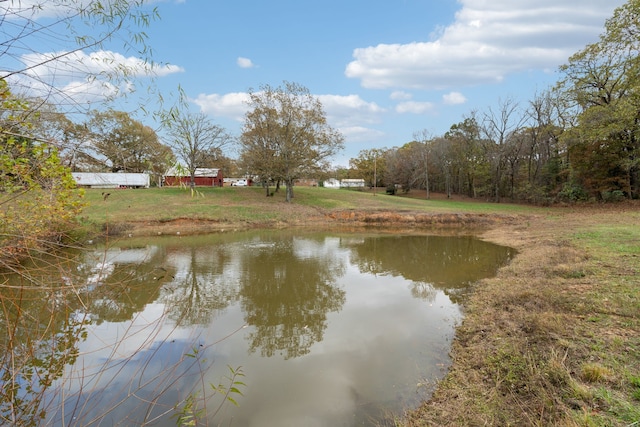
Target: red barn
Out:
[204,177]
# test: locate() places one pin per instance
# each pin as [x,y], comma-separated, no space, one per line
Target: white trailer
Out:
[352,183]
[111,180]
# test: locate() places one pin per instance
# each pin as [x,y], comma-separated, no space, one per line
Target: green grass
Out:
[251,204]
[613,304]
[612,240]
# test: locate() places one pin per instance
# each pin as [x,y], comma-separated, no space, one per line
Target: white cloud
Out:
[414,107]
[454,98]
[74,64]
[349,110]
[400,95]
[90,91]
[486,42]
[361,134]
[231,105]
[244,63]
[342,111]
[78,78]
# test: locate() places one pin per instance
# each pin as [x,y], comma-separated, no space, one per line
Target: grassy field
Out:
[552,340]
[249,206]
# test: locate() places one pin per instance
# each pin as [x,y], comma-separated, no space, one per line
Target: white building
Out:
[111,180]
[332,183]
[344,183]
[352,183]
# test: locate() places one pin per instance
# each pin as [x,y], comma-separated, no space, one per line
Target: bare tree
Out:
[193,137]
[497,126]
[424,137]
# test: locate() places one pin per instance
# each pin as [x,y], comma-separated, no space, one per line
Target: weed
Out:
[594,372]
[635,383]
[189,414]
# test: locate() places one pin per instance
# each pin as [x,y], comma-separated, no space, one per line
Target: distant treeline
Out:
[576,141]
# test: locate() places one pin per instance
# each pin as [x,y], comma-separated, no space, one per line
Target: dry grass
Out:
[554,339]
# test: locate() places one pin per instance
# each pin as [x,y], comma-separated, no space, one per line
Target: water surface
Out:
[328,329]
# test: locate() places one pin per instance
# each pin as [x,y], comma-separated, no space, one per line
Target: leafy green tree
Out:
[286,135]
[126,144]
[467,155]
[370,166]
[37,194]
[603,81]
[193,137]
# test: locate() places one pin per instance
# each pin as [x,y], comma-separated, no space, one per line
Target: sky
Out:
[385,71]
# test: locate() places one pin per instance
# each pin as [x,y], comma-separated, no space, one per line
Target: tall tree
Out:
[193,137]
[71,139]
[369,165]
[424,138]
[497,126]
[603,80]
[127,144]
[543,154]
[286,134]
[468,155]
[405,166]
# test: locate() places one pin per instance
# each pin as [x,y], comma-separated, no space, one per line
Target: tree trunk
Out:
[289,191]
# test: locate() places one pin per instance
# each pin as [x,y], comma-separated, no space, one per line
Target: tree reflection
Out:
[34,355]
[201,287]
[117,283]
[286,298]
[47,306]
[431,262]
[423,290]
[41,329]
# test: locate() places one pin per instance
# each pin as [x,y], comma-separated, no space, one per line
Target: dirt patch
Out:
[420,219]
[318,218]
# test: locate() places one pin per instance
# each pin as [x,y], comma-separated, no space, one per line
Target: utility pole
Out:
[375,178]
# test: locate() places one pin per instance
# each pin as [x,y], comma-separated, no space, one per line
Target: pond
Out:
[268,328]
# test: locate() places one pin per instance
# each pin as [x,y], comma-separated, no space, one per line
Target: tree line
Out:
[578,140]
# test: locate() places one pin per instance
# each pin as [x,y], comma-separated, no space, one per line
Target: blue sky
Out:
[384,70]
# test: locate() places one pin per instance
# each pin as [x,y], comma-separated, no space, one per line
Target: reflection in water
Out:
[432,263]
[329,329]
[287,292]
[200,286]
